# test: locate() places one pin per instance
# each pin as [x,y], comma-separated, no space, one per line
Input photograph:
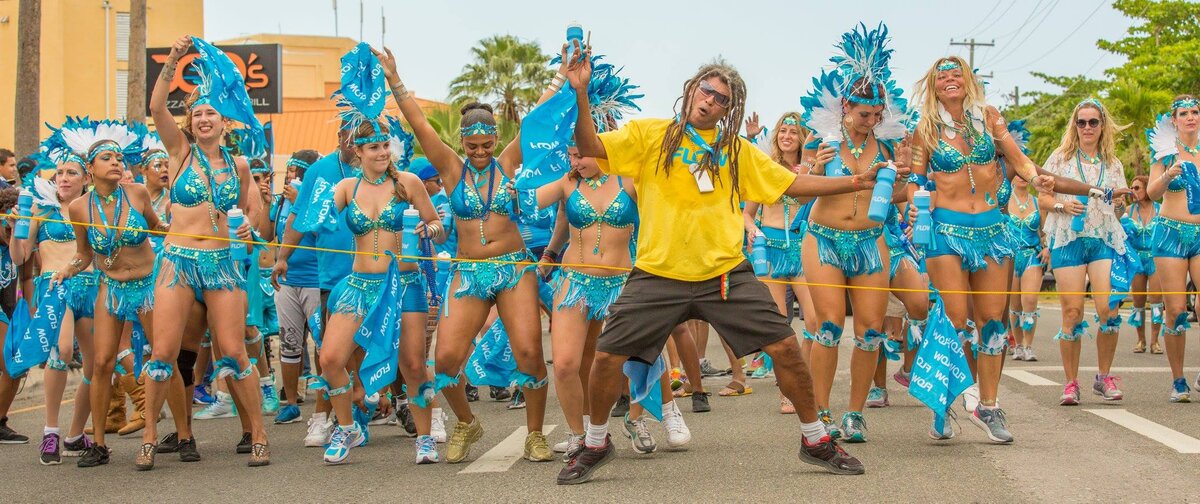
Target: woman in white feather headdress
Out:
[857,114]
[1175,151]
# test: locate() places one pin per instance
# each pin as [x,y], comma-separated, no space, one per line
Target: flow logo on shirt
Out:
[690,157]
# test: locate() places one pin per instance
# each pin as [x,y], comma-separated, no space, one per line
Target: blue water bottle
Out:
[443,271]
[410,245]
[237,249]
[447,217]
[574,36]
[1077,221]
[24,211]
[758,255]
[881,197]
[923,229]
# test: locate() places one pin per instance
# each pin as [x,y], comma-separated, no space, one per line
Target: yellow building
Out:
[85,54]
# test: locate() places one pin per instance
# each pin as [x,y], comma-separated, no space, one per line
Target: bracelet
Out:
[434,229]
[551,255]
[1058,207]
[400,91]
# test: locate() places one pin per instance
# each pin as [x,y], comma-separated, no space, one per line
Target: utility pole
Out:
[1016,96]
[383,25]
[335,19]
[972,44]
[360,19]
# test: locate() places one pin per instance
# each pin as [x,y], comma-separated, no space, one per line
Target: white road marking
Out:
[1028,378]
[502,456]
[1173,439]
[1114,369]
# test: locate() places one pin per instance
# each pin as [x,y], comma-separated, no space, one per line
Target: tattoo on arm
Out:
[168,71]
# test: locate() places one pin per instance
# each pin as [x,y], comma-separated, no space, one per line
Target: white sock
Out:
[46,431]
[670,408]
[224,397]
[267,380]
[320,417]
[596,435]
[437,412]
[813,432]
[74,439]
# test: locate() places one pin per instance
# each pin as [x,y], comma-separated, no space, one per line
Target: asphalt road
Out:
[743,450]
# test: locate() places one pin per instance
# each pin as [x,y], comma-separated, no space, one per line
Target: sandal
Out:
[145,457]
[1140,347]
[786,407]
[1156,348]
[260,455]
[731,391]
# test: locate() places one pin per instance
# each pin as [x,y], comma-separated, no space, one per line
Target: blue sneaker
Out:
[270,399]
[340,443]
[289,413]
[1181,393]
[202,396]
[854,427]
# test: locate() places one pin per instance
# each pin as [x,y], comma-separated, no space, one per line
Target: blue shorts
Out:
[1081,251]
[1026,258]
[1145,262]
[972,237]
[783,252]
[1176,239]
[358,292]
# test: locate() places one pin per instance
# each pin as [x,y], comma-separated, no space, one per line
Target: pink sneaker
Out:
[1107,388]
[902,378]
[1070,395]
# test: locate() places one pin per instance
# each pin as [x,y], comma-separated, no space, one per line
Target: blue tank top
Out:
[1024,231]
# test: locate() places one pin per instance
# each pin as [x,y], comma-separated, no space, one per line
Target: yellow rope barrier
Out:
[574,265]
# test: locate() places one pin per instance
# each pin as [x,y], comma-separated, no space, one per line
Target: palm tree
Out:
[26,110]
[446,121]
[135,108]
[508,73]
[1137,104]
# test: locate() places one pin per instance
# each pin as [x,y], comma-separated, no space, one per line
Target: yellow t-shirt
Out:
[685,234]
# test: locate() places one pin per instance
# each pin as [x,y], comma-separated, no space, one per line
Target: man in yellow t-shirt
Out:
[690,178]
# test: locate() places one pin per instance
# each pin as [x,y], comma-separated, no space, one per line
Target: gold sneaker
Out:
[465,434]
[536,448]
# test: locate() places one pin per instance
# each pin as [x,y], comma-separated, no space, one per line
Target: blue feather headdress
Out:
[1021,134]
[862,56]
[400,142]
[610,96]
[74,141]
[222,87]
[363,92]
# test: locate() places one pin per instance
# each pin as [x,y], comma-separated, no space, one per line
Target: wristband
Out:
[1058,207]
[550,254]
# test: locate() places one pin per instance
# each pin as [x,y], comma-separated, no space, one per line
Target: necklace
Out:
[107,235]
[1089,159]
[475,185]
[206,167]
[378,181]
[1022,207]
[596,182]
[855,150]
[1193,150]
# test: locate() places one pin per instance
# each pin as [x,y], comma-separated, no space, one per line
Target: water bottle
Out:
[237,250]
[24,211]
[758,255]
[881,197]
[574,35]
[447,217]
[443,271]
[1077,221]
[923,229]
[410,245]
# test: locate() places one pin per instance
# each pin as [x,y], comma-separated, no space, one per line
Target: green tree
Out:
[1134,107]
[1162,47]
[507,73]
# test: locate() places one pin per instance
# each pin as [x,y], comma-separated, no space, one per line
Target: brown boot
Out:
[136,392]
[116,412]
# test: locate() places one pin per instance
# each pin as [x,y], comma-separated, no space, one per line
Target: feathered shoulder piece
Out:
[610,96]
[823,107]
[1162,138]
[1021,134]
[363,92]
[863,55]
[400,142]
[221,86]
[73,140]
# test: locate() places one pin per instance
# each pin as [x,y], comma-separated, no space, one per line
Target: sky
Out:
[777,46]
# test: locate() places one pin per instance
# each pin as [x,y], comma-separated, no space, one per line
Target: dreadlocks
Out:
[728,145]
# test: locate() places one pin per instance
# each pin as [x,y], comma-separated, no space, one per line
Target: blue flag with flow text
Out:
[940,371]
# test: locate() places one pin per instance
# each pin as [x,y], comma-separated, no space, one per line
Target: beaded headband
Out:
[789,120]
[104,147]
[298,163]
[378,137]
[1184,103]
[947,64]
[478,128]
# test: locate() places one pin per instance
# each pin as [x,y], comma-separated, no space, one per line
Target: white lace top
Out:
[1100,219]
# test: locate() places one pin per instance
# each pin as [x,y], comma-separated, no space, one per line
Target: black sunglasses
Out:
[720,99]
[1090,123]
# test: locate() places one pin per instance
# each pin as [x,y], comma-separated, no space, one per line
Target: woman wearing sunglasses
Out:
[1085,239]
[1139,224]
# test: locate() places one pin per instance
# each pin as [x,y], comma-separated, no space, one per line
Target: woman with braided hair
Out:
[690,174]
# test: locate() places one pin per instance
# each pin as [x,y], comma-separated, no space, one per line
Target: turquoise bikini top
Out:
[1024,230]
[190,190]
[54,231]
[106,241]
[621,211]
[391,218]
[947,159]
[466,202]
[1140,234]
[836,168]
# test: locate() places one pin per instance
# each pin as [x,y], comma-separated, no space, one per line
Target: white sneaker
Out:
[319,430]
[427,450]
[220,408]
[437,425]
[344,438]
[677,431]
[947,429]
[971,398]
[1029,355]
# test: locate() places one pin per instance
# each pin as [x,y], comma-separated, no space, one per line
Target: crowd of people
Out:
[397,286]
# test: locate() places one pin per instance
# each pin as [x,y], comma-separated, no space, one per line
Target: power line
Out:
[982,21]
[1061,42]
[1013,49]
[1024,23]
[971,43]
